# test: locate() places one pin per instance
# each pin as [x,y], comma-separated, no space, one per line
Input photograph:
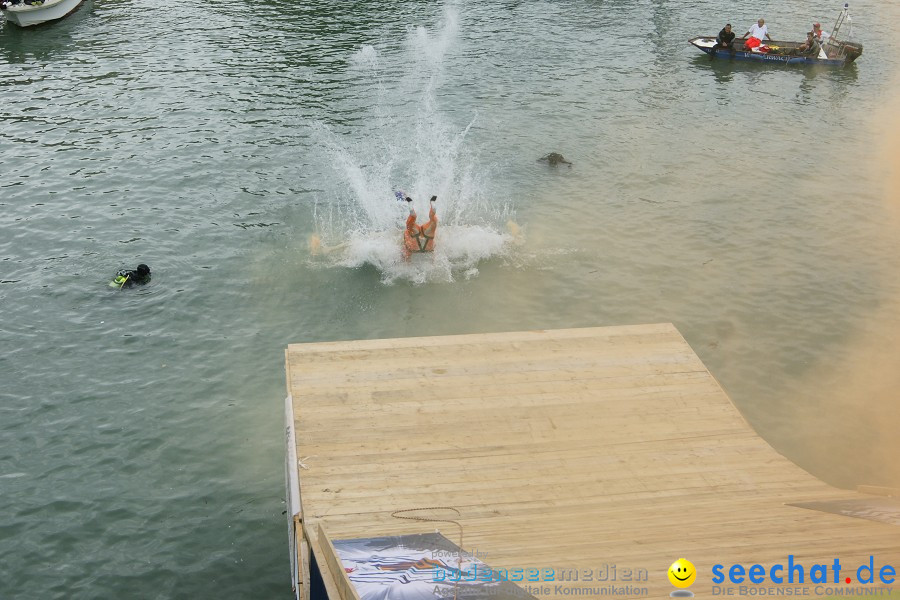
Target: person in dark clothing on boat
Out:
[126,279]
[725,39]
[809,48]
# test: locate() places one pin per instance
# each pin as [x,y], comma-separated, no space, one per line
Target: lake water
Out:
[753,206]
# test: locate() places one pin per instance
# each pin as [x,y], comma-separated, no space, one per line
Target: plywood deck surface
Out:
[578,448]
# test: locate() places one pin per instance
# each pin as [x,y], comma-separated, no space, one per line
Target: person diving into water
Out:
[416,238]
[419,238]
[126,279]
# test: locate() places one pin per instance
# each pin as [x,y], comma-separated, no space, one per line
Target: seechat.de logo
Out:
[796,572]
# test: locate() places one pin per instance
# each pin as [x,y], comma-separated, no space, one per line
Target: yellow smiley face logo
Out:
[682,573]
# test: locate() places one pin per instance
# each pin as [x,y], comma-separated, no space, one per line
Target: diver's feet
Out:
[433,199]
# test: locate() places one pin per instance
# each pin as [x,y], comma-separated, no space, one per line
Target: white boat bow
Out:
[25,15]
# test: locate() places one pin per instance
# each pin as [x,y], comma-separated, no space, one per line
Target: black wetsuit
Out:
[725,39]
[127,278]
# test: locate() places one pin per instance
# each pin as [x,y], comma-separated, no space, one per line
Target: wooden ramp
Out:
[565,449]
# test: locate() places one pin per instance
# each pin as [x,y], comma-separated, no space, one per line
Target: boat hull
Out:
[25,15]
[707,45]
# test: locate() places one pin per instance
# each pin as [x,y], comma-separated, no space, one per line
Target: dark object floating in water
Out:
[249,225]
[126,279]
[554,158]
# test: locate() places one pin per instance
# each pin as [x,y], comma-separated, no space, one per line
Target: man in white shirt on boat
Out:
[821,36]
[758,31]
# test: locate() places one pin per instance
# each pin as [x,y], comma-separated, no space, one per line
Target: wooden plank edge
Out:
[532,335]
[878,490]
[299,558]
[287,371]
[329,578]
[342,578]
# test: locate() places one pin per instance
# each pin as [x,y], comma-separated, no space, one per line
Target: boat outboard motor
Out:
[852,50]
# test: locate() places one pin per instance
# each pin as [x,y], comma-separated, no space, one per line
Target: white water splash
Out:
[406,143]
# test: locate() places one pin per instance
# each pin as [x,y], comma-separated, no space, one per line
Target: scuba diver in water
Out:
[126,279]
[419,238]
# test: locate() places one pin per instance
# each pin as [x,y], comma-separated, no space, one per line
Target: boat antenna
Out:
[844,16]
[849,20]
